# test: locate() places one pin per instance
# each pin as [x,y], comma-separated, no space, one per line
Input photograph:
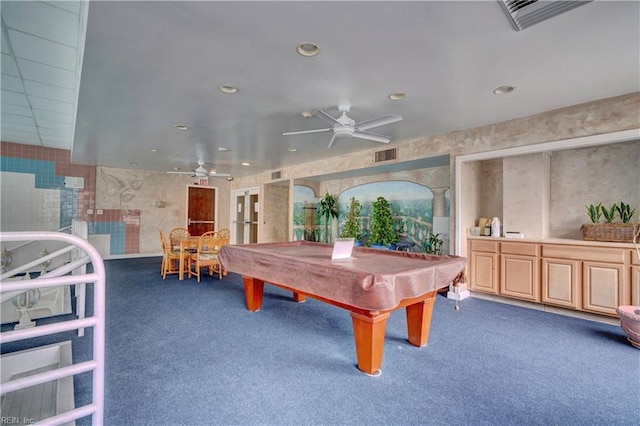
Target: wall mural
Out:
[117,187]
[411,203]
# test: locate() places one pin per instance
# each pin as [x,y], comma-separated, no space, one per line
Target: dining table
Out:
[186,243]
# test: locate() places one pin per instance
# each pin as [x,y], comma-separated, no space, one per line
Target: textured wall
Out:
[580,177]
[525,195]
[127,189]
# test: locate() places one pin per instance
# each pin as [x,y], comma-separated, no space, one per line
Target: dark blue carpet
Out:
[183,353]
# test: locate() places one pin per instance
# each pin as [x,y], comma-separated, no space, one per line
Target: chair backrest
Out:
[225,236]
[177,234]
[209,242]
[166,247]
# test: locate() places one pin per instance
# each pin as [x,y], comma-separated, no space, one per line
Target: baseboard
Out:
[131,256]
[547,308]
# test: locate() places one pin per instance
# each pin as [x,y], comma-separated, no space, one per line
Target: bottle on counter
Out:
[495,227]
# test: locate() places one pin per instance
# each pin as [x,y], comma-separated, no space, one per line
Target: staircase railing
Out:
[58,277]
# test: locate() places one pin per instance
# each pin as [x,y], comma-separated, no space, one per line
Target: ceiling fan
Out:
[346,127]
[201,171]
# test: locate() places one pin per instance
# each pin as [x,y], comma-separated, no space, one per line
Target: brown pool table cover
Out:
[373,279]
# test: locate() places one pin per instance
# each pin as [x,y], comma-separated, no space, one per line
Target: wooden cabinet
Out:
[596,272]
[519,270]
[635,278]
[484,263]
[595,277]
[562,283]
[604,288]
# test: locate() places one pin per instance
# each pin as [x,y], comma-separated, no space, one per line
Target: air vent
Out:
[386,155]
[276,175]
[525,13]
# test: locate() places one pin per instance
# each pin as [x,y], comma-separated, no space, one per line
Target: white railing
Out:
[61,277]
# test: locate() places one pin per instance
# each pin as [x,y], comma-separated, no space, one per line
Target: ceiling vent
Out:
[386,155]
[525,13]
[276,175]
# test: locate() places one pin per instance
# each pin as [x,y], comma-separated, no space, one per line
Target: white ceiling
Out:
[146,66]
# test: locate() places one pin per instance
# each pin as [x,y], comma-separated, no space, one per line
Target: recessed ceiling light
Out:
[133,164]
[228,89]
[223,149]
[181,127]
[152,150]
[246,164]
[397,96]
[308,49]
[292,150]
[503,90]
[307,114]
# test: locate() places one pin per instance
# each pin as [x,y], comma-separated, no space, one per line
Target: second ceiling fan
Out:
[346,127]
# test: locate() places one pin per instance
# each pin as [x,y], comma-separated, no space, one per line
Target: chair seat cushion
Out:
[208,256]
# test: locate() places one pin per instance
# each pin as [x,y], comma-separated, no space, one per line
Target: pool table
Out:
[371,285]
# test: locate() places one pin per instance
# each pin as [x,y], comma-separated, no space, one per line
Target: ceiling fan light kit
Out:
[345,127]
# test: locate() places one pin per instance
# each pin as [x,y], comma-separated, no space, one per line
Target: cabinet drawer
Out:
[595,254]
[523,249]
[488,246]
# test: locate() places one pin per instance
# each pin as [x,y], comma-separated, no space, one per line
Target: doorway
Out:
[245,208]
[201,209]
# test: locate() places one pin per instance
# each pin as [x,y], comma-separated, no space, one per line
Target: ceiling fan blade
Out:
[375,122]
[302,132]
[371,136]
[216,174]
[323,115]
[179,173]
[333,138]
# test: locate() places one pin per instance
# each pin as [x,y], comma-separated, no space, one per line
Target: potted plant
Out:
[622,231]
[328,210]
[433,244]
[382,233]
[351,228]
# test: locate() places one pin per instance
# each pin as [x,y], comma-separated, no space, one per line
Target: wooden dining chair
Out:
[225,238]
[206,255]
[225,235]
[176,234]
[170,258]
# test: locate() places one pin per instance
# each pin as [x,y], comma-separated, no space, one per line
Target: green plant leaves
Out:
[594,212]
[608,215]
[625,212]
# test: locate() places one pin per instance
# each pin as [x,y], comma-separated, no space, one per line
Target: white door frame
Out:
[254,190]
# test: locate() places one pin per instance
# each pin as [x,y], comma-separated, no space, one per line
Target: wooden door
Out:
[201,210]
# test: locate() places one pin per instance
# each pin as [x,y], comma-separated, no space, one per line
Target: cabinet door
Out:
[483,272]
[519,277]
[603,288]
[635,285]
[562,283]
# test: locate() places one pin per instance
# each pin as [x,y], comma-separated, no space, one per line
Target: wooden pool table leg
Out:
[253,289]
[419,321]
[368,331]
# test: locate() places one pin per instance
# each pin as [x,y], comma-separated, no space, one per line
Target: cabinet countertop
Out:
[565,241]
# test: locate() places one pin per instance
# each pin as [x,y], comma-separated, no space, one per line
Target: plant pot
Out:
[613,232]
[379,246]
